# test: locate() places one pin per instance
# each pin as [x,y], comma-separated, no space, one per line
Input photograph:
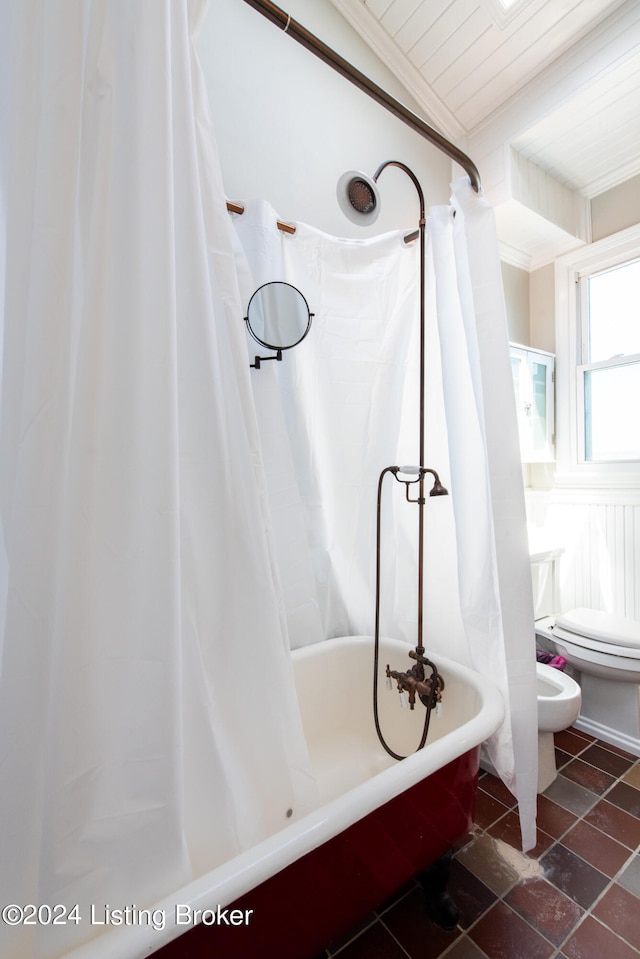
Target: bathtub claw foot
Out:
[443,912]
[439,905]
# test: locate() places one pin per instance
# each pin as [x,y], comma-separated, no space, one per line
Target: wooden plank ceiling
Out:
[475,65]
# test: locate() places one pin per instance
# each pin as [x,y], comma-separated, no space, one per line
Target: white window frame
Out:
[572,469]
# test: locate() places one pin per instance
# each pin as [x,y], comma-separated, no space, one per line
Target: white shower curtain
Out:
[344,404]
[494,571]
[148,723]
[331,418]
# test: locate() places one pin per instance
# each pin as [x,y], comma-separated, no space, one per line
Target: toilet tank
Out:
[544,559]
[542,581]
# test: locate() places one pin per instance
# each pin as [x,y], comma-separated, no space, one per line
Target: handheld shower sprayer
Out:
[402,474]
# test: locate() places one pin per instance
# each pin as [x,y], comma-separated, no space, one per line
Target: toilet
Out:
[604,651]
[558,707]
[559,700]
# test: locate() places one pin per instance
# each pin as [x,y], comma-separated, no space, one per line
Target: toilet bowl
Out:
[605,651]
[559,698]
[558,707]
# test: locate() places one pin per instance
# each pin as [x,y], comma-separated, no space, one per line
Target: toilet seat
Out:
[584,644]
[578,641]
[605,652]
[602,632]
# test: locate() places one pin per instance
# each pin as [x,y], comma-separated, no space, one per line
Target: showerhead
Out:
[358,197]
[438,489]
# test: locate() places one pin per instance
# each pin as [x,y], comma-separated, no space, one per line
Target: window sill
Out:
[622,486]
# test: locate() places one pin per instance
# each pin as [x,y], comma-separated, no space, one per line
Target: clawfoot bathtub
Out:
[379,821]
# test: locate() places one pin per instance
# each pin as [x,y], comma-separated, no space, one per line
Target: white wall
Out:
[516,294]
[616,209]
[288,126]
[542,305]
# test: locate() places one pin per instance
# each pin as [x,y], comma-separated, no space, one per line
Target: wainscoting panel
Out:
[600,533]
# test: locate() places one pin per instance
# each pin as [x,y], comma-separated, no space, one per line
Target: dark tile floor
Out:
[575,896]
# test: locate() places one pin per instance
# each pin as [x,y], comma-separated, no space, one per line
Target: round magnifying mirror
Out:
[278,316]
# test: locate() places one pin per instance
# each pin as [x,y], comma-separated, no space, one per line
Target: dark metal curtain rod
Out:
[342,66]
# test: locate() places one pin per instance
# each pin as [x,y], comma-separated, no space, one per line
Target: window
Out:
[609,375]
[598,363]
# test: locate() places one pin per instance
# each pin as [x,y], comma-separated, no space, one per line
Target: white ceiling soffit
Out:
[529,241]
[464,59]
[592,155]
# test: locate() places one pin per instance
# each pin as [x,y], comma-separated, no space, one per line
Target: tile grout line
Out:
[399,944]
[375,921]
[557,841]
[476,832]
[613,879]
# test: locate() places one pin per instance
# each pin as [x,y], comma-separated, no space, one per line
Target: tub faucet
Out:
[415,680]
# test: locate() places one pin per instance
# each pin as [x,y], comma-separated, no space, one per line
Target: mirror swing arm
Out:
[259,360]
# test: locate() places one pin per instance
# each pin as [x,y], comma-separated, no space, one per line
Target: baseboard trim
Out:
[608,735]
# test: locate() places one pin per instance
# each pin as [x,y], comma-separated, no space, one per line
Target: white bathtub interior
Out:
[335,698]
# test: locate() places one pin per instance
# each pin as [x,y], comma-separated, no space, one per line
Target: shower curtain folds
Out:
[346,404]
[141,576]
[494,571]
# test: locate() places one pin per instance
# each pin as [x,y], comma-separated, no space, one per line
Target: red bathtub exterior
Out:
[324,894]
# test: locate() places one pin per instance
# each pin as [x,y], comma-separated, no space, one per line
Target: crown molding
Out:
[610,180]
[605,252]
[514,257]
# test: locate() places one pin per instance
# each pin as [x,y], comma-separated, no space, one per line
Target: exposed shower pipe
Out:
[422,222]
[377,93]
[359,200]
